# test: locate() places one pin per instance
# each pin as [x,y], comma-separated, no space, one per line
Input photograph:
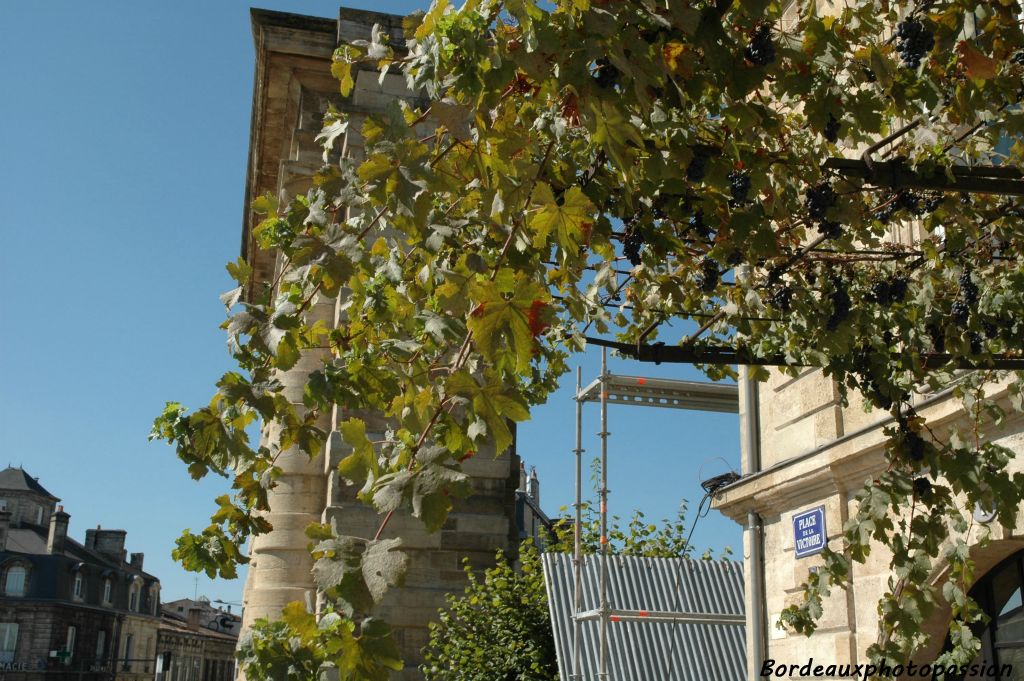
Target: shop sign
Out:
[17,666]
[809,534]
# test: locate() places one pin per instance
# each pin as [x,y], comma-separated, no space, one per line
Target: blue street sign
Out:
[809,534]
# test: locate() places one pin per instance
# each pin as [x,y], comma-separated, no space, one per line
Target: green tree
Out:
[601,168]
[500,627]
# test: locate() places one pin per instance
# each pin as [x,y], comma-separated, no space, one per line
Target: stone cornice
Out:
[842,464]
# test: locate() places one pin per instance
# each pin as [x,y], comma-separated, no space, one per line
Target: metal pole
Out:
[577,549]
[604,514]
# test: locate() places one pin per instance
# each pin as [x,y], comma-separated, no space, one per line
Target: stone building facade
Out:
[802,452]
[196,642]
[293,86]
[69,610]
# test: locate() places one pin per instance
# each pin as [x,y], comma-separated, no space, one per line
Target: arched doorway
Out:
[1000,593]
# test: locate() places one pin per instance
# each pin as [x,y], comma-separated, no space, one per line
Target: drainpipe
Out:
[751,449]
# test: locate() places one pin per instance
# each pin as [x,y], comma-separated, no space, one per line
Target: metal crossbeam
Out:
[665,393]
[662,616]
[1006,180]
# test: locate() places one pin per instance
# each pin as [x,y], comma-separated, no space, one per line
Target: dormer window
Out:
[14,580]
[79,590]
[108,589]
[133,598]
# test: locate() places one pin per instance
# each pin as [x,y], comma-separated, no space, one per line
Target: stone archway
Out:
[986,558]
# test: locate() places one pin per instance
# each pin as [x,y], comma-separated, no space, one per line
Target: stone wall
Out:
[816,453]
[293,89]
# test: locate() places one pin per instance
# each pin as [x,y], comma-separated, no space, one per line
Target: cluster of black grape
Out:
[974,340]
[922,488]
[830,229]
[968,289]
[913,41]
[819,199]
[761,49]
[907,200]
[932,201]
[605,75]
[897,287]
[840,304]
[707,279]
[885,213]
[959,312]
[881,292]
[698,165]
[909,442]
[915,446]
[885,292]
[739,186]
[831,131]
[782,298]
[632,242]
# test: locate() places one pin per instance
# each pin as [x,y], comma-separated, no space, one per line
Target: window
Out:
[8,640]
[39,515]
[14,582]
[101,646]
[133,598]
[69,645]
[79,587]
[107,591]
[129,640]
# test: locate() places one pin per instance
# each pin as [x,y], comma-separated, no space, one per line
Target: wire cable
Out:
[711,487]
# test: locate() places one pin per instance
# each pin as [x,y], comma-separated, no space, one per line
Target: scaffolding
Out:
[644,392]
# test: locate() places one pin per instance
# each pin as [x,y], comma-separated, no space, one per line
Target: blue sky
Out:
[123,133]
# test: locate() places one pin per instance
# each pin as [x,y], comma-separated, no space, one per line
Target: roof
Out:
[17,479]
[537,510]
[33,541]
[172,623]
[643,650]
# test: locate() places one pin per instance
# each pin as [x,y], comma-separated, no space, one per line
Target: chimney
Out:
[110,543]
[522,476]
[194,613]
[136,561]
[5,526]
[58,531]
[90,538]
[533,486]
